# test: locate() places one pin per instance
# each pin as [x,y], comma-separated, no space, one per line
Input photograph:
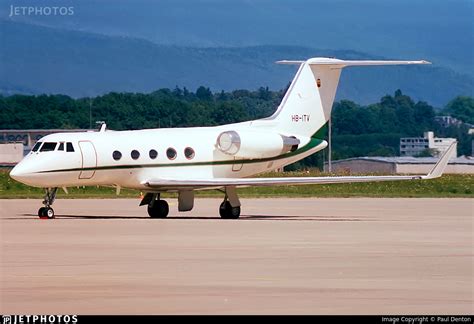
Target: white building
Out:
[446,121]
[399,165]
[414,146]
[11,153]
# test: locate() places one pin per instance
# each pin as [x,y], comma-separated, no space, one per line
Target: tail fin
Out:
[307,105]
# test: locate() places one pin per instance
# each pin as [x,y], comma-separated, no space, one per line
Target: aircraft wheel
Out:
[226,211]
[46,213]
[160,209]
[223,210]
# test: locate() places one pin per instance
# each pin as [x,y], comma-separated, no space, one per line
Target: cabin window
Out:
[171,153]
[189,153]
[69,147]
[36,147]
[61,146]
[48,146]
[135,154]
[153,154]
[117,155]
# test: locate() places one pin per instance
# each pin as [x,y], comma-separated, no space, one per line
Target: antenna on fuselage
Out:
[102,126]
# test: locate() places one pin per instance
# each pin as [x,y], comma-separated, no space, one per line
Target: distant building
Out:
[397,164]
[11,153]
[414,146]
[446,121]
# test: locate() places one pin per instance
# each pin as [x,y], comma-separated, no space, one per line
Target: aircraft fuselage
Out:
[128,158]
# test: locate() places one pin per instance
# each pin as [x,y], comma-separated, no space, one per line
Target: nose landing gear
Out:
[47,212]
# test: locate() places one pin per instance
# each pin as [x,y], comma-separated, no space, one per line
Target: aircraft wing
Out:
[170,184]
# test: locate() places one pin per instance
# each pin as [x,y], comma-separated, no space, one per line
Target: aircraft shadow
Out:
[28,216]
[242,217]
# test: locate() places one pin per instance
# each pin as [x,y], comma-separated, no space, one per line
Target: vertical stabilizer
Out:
[307,105]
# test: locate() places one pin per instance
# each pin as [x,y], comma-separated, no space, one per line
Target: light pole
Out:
[329,146]
[90,113]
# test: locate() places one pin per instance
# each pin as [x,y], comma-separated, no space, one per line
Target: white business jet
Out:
[183,160]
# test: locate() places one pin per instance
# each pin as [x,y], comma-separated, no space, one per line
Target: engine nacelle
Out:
[255,144]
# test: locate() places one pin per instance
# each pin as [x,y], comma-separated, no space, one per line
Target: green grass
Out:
[447,186]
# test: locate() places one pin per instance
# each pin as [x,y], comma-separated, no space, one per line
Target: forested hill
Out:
[437,30]
[36,60]
[358,130]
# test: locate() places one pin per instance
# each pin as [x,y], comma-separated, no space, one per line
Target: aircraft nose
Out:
[17,173]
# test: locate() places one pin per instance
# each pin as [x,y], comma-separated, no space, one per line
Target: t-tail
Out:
[306,106]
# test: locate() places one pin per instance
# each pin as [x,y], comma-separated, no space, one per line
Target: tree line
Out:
[357,130]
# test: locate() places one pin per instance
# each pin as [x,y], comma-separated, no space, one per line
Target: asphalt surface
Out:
[284,256]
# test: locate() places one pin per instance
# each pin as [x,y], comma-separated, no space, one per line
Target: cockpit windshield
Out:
[36,147]
[48,146]
[51,146]
[69,147]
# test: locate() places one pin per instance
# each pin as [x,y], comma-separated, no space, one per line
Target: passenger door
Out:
[89,159]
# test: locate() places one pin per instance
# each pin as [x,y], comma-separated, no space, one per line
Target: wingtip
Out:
[442,163]
[290,62]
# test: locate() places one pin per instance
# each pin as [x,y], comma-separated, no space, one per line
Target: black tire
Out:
[164,208]
[160,209]
[234,212]
[46,213]
[151,211]
[223,209]
[226,211]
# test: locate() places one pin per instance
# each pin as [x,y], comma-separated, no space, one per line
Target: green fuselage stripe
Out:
[311,144]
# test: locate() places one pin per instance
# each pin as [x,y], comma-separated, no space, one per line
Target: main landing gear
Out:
[47,212]
[230,207]
[158,208]
[227,211]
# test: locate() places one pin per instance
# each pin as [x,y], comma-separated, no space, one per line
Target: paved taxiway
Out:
[290,256]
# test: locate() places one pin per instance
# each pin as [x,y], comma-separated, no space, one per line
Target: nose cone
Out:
[18,173]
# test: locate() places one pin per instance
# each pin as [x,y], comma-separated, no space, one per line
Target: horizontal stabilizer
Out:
[344,63]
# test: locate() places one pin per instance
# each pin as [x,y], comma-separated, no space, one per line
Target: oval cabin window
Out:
[117,155]
[171,153]
[135,154]
[189,153]
[153,154]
